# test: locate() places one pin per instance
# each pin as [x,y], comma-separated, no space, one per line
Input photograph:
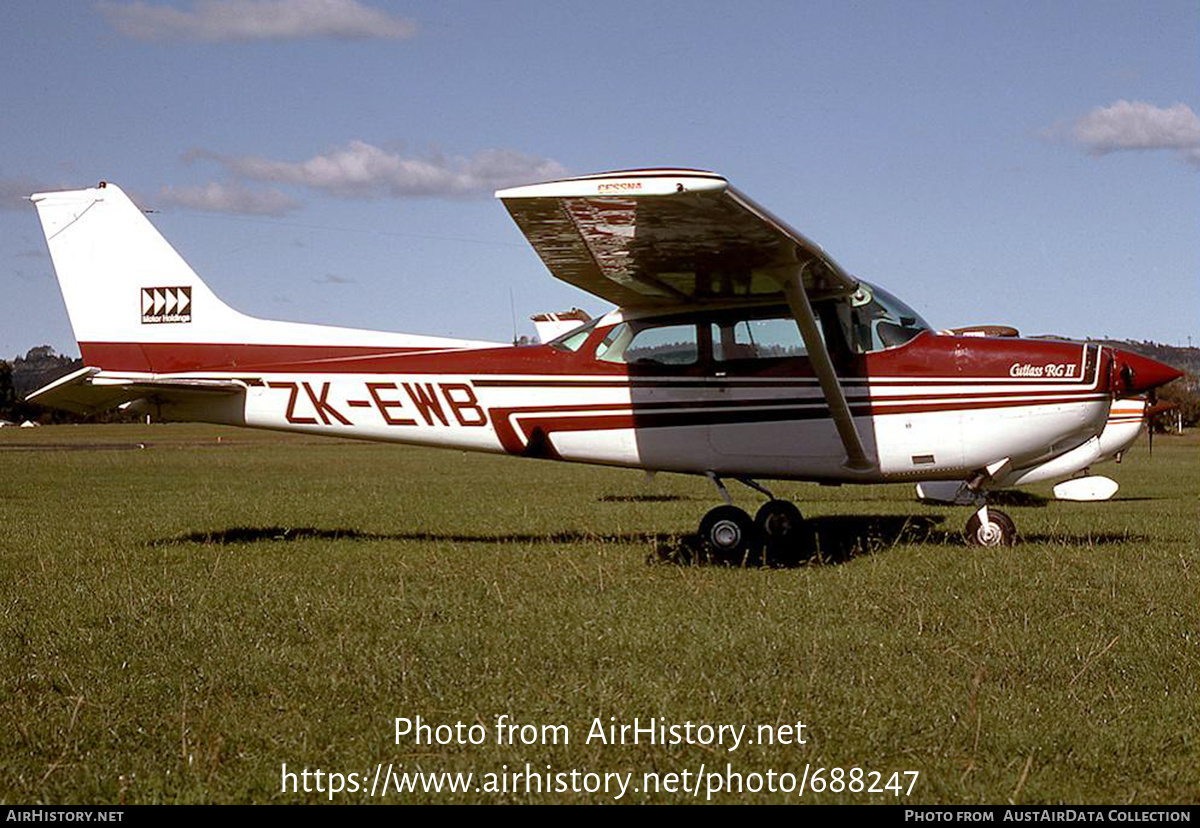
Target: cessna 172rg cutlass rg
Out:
[739,350]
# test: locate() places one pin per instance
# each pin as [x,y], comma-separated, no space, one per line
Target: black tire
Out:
[779,524]
[728,532]
[1000,529]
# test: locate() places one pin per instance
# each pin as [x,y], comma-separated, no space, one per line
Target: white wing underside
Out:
[660,238]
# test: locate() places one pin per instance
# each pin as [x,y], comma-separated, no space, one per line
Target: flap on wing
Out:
[87,390]
[666,237]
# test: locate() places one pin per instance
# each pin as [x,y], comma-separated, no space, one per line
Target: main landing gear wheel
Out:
[779,523]
[999,530]
[729,532]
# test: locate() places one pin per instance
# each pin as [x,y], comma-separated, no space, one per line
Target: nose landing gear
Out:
[990,527]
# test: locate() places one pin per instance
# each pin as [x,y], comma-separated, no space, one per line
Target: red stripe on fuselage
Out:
[926,359]
[178,357]
[552,419]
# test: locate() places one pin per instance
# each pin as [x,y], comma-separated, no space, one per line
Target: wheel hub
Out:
[726,534]
[990,534]
[776,525]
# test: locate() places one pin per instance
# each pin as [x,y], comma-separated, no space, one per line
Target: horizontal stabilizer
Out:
[88,391]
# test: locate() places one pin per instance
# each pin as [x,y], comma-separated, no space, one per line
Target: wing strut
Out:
[797,298]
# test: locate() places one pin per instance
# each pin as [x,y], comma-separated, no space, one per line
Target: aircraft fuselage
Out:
[936,407]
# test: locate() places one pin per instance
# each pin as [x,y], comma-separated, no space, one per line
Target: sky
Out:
[333,161]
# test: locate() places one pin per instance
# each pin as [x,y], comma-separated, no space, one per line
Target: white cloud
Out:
[217,20]
[363,170]
[216,197]
[1137,125]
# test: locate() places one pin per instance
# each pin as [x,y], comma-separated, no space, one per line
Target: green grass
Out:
[179,620]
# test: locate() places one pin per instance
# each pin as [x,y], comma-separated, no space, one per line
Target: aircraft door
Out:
[666,364]
[769,403]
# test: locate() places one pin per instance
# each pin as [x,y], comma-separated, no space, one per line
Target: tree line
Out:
[40,366]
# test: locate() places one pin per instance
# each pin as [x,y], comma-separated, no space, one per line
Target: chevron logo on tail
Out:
[166,304]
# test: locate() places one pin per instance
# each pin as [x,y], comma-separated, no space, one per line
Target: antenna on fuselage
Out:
[512,309]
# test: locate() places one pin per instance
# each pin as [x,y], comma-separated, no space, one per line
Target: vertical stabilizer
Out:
[121,280]
[135,304]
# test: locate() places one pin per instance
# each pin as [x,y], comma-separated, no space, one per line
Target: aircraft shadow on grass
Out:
[255,534]
[1016,497]
[825,540]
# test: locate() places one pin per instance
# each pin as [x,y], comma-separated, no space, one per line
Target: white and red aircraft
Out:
[739,350]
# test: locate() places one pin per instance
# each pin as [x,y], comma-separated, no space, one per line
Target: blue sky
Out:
[1033,164]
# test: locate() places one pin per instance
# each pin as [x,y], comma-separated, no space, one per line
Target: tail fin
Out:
[133,300]
[121,280]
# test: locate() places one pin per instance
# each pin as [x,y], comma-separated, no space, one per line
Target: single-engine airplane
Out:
[739,350]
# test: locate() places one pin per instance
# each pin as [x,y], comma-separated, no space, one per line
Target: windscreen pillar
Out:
[818,354]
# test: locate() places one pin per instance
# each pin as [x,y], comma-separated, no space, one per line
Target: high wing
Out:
[85,392]
[656,238]
[673,237]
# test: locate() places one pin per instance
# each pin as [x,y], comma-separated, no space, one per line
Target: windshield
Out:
[573,339]
[875,319]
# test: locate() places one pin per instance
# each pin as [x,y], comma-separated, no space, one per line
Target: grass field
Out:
[177,621]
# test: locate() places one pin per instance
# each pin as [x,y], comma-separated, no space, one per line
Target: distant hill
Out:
[1185,359]
[39,366]
[26,374]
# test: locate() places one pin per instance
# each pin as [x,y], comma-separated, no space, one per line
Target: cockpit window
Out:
[875,319]
[871,319]
[635,343]
[757,337]
[573,339]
